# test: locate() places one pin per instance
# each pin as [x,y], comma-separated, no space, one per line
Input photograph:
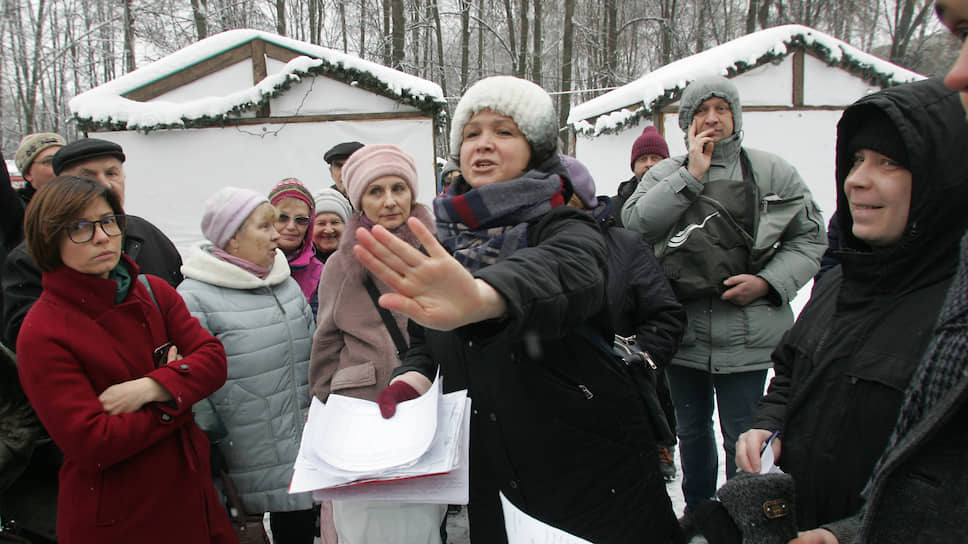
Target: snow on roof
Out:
[664,85]
[106,105]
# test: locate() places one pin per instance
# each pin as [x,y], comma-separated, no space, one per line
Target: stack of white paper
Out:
[418,455]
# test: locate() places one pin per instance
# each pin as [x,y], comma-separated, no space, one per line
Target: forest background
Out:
[52,50]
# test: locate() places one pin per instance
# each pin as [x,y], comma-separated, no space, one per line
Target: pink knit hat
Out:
[373,162]
[650,141]
[226,210]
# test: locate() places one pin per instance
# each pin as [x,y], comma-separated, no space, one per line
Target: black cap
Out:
[341,151]
[85,149]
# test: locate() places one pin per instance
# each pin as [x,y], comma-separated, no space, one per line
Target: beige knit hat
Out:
[31,145]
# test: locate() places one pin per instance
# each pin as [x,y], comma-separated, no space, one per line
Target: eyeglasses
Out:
[301,220]
[82,231]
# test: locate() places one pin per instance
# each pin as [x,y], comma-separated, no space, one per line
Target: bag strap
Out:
[386,316]
[230,490]
[752,196]
[233,494]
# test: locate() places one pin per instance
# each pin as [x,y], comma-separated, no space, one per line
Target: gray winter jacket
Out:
[721,337]
[266,327]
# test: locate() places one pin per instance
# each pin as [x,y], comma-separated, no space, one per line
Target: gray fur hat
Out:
[703,89]
[528,104]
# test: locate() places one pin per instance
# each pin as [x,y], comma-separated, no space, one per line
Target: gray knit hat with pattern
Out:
[526,103]
[703,89]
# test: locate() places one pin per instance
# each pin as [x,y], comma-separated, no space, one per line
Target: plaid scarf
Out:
[484,225]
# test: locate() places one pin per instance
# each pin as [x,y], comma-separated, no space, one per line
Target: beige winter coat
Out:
[353,354]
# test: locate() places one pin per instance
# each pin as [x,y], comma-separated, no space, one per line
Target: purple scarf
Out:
[249,266]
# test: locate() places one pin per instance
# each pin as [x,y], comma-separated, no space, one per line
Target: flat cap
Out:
[85,149]
[341,151]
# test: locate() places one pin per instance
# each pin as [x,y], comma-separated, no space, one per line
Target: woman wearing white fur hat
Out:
[354,353]
[510,301]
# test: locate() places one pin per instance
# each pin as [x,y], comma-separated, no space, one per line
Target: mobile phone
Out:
[160,354]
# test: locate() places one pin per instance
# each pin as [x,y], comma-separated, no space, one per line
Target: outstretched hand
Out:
[434,289]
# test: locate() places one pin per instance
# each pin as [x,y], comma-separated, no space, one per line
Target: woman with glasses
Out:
[295,226]
[238,285]
[112,370]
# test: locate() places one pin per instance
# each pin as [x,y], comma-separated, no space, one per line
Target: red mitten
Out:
[394,394]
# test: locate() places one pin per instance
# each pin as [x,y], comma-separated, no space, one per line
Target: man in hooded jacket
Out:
[735,257]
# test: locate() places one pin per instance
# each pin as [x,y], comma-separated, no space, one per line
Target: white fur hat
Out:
[526,103]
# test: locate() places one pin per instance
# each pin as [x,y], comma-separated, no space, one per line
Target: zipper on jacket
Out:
[570,383]
[297,416]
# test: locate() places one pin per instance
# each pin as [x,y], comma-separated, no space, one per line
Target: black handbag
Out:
[641,369]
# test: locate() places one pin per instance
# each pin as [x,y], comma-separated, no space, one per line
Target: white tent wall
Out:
[170,173]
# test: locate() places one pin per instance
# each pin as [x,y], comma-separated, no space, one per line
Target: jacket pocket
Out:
[358,375]
[776,214]
[114,494]
[766,323]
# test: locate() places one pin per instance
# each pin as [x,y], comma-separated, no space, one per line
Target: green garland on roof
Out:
[436,108]
[797,42]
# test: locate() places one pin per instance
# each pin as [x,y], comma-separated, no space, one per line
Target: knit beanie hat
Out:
[292,188]
[650,141]
[449,166]
[526,103]
[226,210]
[581,181]
[875,131]
[703,89]
[82,150]
[333,201]
[376,161]
[31,145]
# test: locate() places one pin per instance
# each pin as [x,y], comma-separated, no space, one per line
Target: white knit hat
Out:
[526,103]
[332,201]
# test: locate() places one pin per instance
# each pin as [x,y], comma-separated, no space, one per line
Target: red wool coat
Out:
[140,477]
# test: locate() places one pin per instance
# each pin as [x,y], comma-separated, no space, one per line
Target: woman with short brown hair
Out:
[112,370]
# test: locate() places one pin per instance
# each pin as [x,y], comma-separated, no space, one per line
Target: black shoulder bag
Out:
[642,369]
[387,317]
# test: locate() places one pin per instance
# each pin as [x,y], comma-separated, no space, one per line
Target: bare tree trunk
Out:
[362,29]
[129,59]
[480,39]
[522,68]
[512,45]
[610,56]
[465,42]
[281,17]
[908,18]
[199,13]
[751,12]
[415,36]
[439,36]
[700,27]
[567,46]
[538,47]
[398,33]
[668,23]
[387,31]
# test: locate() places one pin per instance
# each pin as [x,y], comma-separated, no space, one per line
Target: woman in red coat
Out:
[136,467]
